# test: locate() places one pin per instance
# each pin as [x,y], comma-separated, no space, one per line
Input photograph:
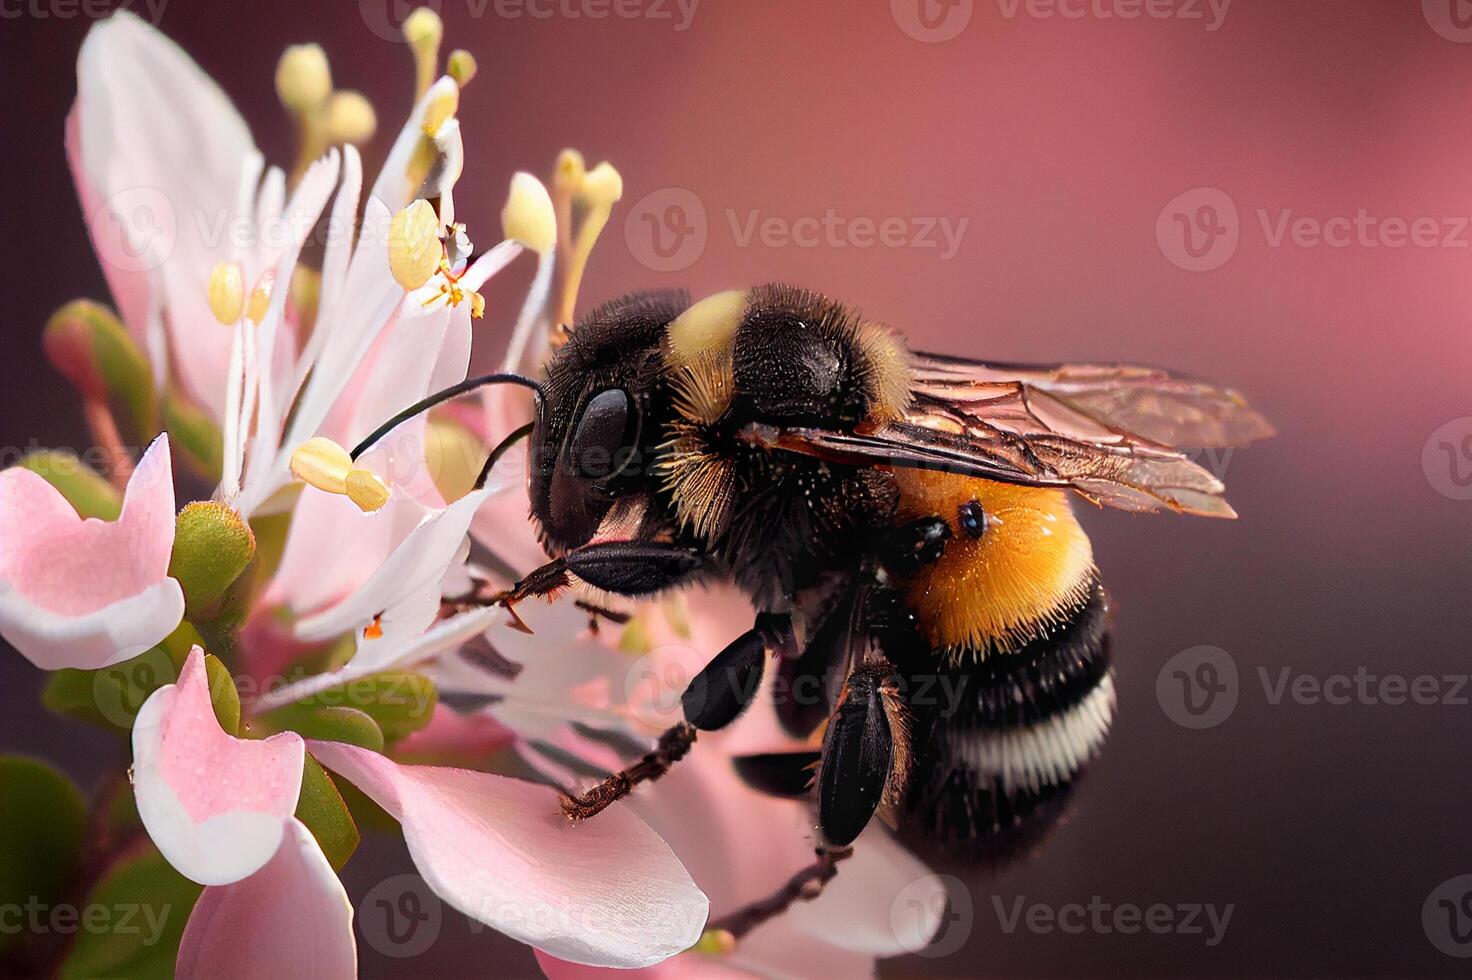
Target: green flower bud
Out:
[212,547]
[87,344]
[194,438]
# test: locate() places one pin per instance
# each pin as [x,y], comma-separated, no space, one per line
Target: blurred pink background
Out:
[1058,142]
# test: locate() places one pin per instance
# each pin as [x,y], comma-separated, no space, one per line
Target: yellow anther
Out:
[716,942]
[414,249]
[374,630]
[366,489]
[598,190]
[350,118]
[260,297]
[528,216]
[461,66]
[424,31]
[602,186]
[477,306]
[303,79]
[567,176]
[323,464]
[442,108]
[226,292]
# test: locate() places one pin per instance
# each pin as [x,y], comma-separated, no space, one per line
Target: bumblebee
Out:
[901,521]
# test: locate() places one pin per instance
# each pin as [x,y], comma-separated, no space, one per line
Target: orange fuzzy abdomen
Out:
[1025,575]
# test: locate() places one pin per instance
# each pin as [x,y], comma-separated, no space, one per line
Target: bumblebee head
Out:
[595,437]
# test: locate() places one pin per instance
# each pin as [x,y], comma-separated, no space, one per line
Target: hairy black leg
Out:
[804,886]
[673,745]
[858,757]
[633,568]
[728,684]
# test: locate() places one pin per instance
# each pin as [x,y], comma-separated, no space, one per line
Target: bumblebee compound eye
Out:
[603,441]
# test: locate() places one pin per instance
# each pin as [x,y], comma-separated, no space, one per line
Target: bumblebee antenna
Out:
[495,457]
[440,397]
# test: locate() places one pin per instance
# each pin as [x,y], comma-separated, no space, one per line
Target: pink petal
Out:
[88,593]
[162,149]
[606,892]
[694,966]
[290,918]
[215,805]
[420,560]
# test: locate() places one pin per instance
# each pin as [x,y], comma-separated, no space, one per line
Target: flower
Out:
[221,810]
[373,540]
[88,593]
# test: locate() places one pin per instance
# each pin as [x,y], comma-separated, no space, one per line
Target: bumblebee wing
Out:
[1097,403]
[1109,432]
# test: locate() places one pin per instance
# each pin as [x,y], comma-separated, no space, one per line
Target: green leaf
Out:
[400,702]
[137,914]
[42,819]
[322,809]
[212,547]
[327,723]
[83,487]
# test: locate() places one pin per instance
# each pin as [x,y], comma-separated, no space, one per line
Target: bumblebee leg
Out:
[673,745]
[859,751]
[728,684]
[804,886]
[714,699]
[632,568]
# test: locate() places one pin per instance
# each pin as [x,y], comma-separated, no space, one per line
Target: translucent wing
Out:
[1110,432]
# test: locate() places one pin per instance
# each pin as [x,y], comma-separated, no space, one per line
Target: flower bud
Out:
[213,545]
[86,343]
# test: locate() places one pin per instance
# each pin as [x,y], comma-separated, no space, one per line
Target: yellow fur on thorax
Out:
[1030,569]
